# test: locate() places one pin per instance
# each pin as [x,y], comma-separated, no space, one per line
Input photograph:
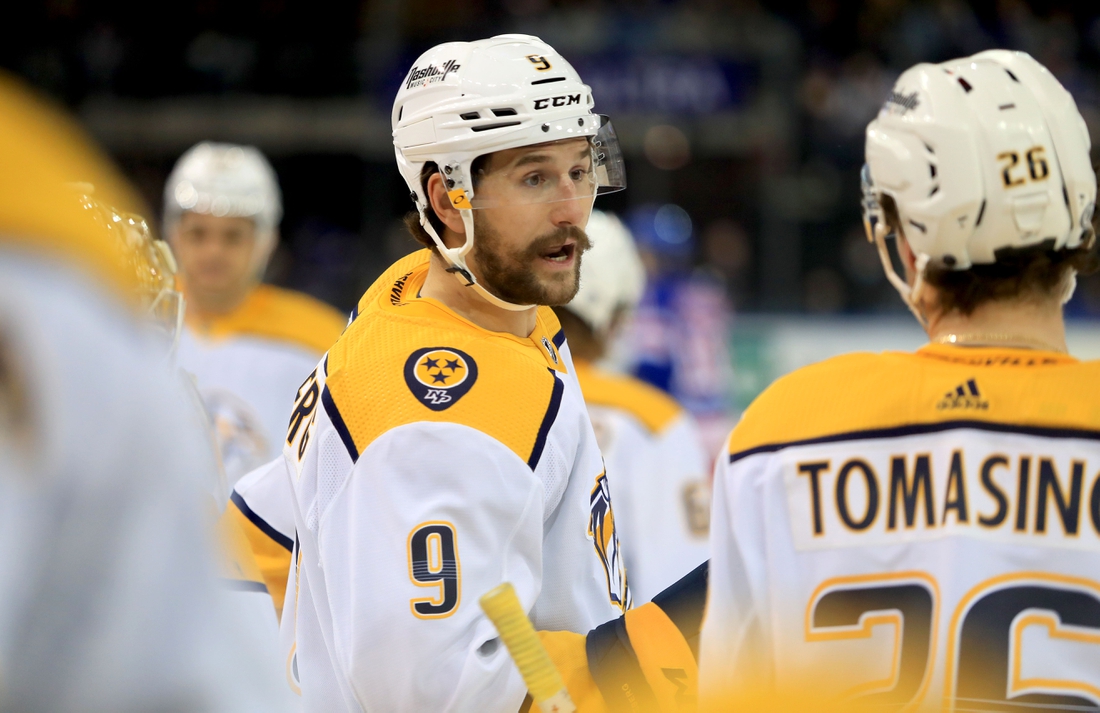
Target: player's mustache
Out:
[543,244]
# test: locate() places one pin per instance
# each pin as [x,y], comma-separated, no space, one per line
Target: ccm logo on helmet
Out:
[564,100]
[431,74]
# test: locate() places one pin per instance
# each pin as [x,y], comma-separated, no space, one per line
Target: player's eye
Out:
[533,180]
[578,174]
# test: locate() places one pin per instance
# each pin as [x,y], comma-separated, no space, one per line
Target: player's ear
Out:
[441,204]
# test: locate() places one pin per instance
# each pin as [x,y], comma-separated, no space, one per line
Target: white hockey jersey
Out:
[913,531]
[109,597]
[248,364]
[653,457]
[431,461]
[656,465]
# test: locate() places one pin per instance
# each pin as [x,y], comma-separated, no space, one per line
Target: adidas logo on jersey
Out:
[965,396]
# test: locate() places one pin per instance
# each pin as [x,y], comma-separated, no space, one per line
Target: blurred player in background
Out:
[442,446]
[249,345]
[679,337]
[649,443]
[102,463]
[922,531]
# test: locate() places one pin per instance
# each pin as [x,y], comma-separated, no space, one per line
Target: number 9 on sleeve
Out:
[433,562]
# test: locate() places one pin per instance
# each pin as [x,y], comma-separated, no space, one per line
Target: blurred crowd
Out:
[746,117]
[853,54]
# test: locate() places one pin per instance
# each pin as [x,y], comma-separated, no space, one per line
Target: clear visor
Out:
[565,168]
[872,210]
[166,309]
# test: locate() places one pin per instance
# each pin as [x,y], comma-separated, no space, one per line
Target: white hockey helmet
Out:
[612,274]
[462,100]
[979,154]
[226,180]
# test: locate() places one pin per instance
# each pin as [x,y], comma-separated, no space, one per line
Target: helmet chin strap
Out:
[457,259]
[910,294]
[1069,286]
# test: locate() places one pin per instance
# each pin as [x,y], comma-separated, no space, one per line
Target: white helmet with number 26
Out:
[979,154]
[462,100]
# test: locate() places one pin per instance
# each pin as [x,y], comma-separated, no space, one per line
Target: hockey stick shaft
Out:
[544,683]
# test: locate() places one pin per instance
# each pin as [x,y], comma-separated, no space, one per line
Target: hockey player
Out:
[642,434]
[102,469]
[442,446]
[249,345]
[650,445]
[922,531]
[645,659]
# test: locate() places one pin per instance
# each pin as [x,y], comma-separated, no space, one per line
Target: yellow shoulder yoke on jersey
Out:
[237,560]
[937,387]
[270,550]
[283,315]
[406,359]
[655,409]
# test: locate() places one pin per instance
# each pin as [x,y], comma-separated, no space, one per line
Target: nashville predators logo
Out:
[439,376]
[601,530]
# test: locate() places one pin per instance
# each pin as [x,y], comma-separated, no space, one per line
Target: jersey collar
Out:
[994,356]
[541,339]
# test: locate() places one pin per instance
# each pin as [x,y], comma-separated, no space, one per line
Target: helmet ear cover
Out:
[477,168]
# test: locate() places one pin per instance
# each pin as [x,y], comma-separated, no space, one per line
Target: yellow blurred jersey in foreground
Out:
[41,155]
[109,598]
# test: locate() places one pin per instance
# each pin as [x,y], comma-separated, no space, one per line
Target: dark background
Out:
[748,115]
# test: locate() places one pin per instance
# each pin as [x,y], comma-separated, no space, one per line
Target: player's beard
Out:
[512,276]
